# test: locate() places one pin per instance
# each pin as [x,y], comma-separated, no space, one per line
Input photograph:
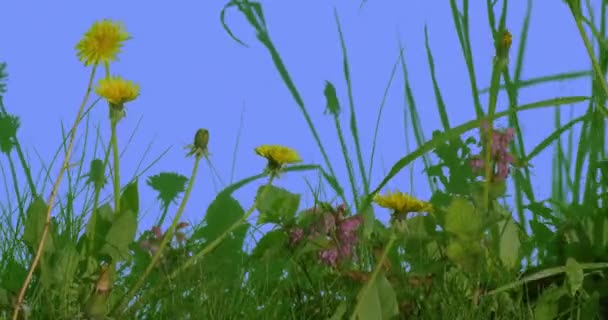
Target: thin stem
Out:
[207,249]
[54,192]
[116,161]
[166,238]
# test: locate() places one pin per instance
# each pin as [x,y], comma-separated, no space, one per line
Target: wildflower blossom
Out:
[330,225]
[499,152]
[117,91]
[402,203]
[277,156]
[102,42]
[295,235]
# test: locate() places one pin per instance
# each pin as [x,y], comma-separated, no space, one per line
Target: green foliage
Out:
[277,206]
[379,301]
[468,258]
[168,185]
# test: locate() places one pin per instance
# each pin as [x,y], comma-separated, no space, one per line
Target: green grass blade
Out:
[438,97]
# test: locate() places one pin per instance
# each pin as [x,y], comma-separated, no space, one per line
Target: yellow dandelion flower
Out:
[102,42]
[402,203]
[116,90]
[277,155]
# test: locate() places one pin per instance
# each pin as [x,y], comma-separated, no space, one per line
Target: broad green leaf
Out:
[574,271]
[13,276]
[221,214]
[120,236]
[509,243]
[224,263]
[34,225]
[463,220]
[99,224]
[378,302]
[66,264]
[276,205]
[129,201]
[547,306]
[270,244]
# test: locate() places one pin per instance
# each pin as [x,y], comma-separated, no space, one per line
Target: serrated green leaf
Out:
[9,125]
[277,206]
[169,185]
[34,225]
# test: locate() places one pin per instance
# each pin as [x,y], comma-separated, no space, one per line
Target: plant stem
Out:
[167,237]
[116,167]
[45,230]
[117,311]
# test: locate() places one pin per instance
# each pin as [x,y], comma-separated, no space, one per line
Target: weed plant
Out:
[461,254]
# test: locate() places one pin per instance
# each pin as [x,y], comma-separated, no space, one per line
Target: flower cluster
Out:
[333,226]
[152,243]
[499,153]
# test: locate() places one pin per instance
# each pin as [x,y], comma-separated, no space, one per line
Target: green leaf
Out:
[224,263]
[339,312]
[129,201]
[9,125]
[270,244]
[120,236]
[13,276]
[34,225]
[509,243]
[96,175]
[378,302]
[463,220]
[168,185]
[547,306]
[542,234]
[575,274]
[277,206]
[333,106]
[99,225]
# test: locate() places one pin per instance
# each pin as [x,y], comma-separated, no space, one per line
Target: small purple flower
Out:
[295,235]
[350,224]
[329,256]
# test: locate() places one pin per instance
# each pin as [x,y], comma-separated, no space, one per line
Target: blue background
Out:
[192,75]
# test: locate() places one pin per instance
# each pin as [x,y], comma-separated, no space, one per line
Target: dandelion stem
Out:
[116,167]
[167,237]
